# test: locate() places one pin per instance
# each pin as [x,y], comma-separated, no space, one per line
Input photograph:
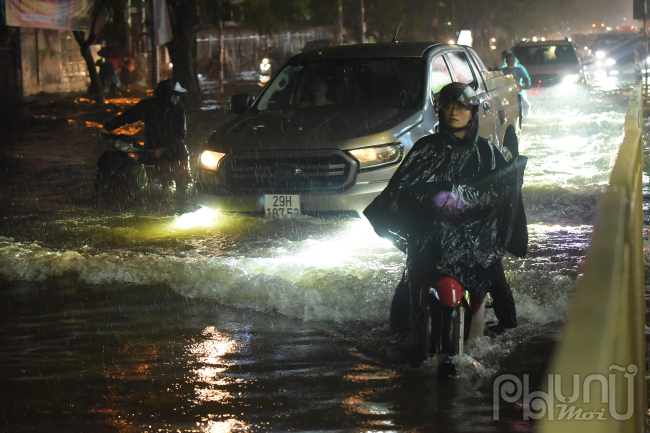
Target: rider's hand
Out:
[518,87]
[449,203]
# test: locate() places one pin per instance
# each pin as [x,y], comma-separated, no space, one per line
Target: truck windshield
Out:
[546,55]
[354,83]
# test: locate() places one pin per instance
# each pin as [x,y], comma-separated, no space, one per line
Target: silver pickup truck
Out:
[329,130]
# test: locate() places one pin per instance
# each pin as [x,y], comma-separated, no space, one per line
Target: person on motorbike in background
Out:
[453,202]
[165,128]
[522,80]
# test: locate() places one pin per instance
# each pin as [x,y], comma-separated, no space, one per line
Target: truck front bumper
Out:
[355,199]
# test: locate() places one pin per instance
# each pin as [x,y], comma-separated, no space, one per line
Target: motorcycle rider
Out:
[455,206]
[165,128]
[512,67]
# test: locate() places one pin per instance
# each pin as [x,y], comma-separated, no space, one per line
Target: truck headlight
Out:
[210,159]
[371,157]
[610,62]
[573,78]
[600,54]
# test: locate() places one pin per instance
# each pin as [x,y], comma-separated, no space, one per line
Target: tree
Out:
[84,47]
[269,16]
[116,28]
[184,19]
[187,16]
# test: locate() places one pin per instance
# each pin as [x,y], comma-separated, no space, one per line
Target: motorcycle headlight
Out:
[610,62]
[371,157]
[210,159]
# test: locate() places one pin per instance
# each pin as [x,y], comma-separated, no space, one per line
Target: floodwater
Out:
[161,317]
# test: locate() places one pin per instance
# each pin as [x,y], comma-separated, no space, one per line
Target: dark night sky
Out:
[609,12]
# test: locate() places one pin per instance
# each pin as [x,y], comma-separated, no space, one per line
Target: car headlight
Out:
[573,78]
[600,54]
[370,157]
[210,159]
[610,62]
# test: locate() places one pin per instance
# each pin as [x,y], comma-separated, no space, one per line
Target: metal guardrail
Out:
[596,380]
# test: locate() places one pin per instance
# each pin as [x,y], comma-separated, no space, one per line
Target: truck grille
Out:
[289,171]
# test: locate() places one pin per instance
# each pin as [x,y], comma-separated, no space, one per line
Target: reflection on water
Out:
[207,364]
[570,146]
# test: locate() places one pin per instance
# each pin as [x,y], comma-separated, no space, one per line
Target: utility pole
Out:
[362,35]
[436,22]
[221,56]
[154,46]
[340,23]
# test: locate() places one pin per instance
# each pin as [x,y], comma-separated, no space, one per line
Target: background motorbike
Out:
[128,169]
[118,171]
[266,67]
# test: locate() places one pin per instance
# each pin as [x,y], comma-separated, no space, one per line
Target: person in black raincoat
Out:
[165,128]
[108,78]
[454,202]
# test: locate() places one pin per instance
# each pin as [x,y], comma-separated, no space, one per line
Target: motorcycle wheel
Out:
[443,329]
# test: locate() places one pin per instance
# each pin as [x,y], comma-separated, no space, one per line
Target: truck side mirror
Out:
[240,102]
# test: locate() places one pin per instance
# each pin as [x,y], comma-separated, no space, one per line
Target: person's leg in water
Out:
[503,301]
[400,306]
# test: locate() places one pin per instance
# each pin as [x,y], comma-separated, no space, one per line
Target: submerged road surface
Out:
[159,317]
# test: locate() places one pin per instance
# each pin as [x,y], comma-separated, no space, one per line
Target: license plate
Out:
[281,204]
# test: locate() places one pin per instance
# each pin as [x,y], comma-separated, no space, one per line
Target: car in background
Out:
[616,56]
[552,64]
[326,134]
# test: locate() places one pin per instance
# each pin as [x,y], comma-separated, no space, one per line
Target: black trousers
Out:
[503,301]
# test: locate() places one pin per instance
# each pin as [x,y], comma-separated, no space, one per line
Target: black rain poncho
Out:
[454,201]
[164,121]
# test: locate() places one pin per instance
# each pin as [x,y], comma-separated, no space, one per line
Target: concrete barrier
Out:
[596,379]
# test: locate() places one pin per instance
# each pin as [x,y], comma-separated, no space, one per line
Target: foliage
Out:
[518,18]
[269,16]
[116,29]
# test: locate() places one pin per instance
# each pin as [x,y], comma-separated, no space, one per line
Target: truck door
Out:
[464,73]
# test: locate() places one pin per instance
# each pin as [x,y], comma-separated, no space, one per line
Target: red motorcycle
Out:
[443,316]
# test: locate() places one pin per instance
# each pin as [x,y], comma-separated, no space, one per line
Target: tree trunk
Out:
[183,15]
[84,47]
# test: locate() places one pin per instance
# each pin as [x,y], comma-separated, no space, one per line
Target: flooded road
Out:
[159,316]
